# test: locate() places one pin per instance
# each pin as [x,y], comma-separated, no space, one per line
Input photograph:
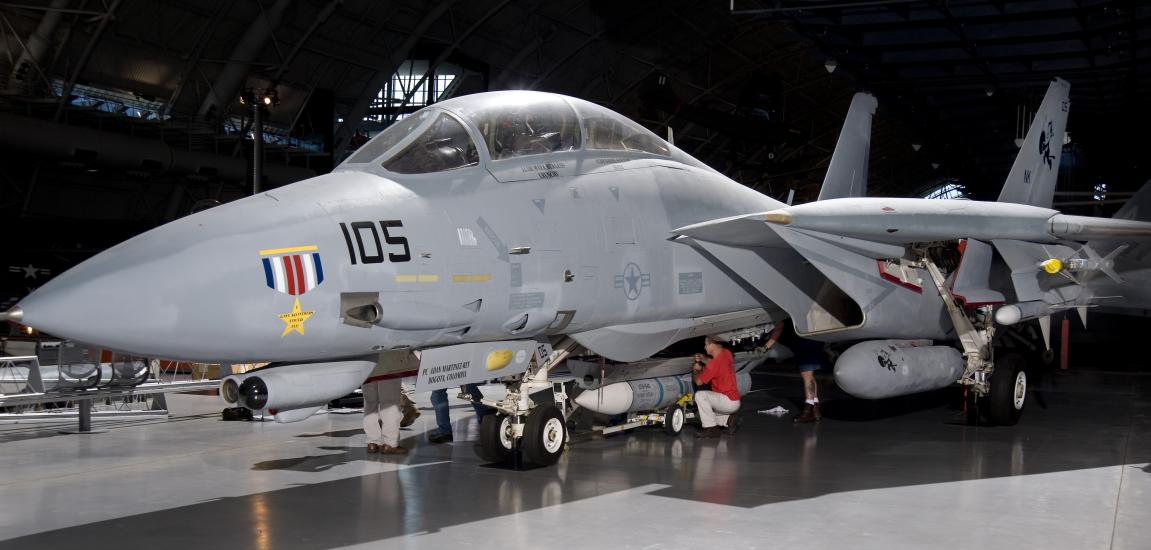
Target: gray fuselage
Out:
[573,240]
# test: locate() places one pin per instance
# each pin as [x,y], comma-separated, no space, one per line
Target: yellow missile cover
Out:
[1052,266]
[499,359]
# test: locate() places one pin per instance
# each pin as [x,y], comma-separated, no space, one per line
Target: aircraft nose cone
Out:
[178,291]
[123,295]
[15,315]
[47,309]
[210,287]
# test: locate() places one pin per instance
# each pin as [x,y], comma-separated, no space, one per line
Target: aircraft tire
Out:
[674,420]
[1008,390]
[545,435]
[495,443]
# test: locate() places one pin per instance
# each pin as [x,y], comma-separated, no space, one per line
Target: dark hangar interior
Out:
[123,115]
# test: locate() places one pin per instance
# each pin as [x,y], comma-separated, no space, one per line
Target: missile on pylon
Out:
[1085,267]
[1022,311]
[590,375]
[649,394]
[637,395]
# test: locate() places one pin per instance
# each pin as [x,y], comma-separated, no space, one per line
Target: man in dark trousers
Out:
[443,416]
[809,357]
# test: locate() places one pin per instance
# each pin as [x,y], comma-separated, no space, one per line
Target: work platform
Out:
[896,474]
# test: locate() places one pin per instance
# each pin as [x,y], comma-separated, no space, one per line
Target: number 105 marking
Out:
[366,231]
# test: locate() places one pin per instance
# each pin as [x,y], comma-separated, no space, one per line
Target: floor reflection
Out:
[320,463]
[770,460]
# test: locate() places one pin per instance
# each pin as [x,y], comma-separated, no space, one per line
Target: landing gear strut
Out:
[996,386]
[530,425]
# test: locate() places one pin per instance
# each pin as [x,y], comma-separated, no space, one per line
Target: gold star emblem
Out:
[294,320]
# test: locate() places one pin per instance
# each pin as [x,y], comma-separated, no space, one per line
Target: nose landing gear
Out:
[530,426]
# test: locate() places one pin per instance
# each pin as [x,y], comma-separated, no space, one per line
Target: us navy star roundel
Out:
[292,271]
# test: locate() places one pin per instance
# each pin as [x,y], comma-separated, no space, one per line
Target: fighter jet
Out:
[477,231]
[493,235]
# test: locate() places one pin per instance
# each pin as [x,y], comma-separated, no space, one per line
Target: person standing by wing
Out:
[809,357]
[717,406]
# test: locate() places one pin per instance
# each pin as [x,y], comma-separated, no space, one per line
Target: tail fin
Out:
[847,173]
[1032,178]
[1137,208]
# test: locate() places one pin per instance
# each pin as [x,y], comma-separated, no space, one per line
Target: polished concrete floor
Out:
[898,474]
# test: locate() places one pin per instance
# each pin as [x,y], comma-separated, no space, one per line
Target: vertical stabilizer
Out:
[847,173]
[1137,207]
[1032,178]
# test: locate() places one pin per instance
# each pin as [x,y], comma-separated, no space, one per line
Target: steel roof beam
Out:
[192,61]
[942,22]
[231,78]
[320,19]
[35,47]
[905,42]
[381,77]
[1025,58]
[82,63]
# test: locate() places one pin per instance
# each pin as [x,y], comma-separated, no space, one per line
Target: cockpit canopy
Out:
[508,125]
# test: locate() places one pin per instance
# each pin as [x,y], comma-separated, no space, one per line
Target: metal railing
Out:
[77,386]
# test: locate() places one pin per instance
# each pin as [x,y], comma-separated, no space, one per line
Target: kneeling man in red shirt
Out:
[719,404]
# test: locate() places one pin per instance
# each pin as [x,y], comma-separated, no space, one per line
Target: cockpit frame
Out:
[527,108]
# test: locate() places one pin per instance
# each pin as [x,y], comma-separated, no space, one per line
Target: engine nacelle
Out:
[878,369]
[282,388]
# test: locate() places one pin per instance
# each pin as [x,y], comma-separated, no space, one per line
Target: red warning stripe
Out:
[392,376]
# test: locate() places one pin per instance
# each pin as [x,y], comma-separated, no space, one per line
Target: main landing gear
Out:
[996,386]
[1003,403]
